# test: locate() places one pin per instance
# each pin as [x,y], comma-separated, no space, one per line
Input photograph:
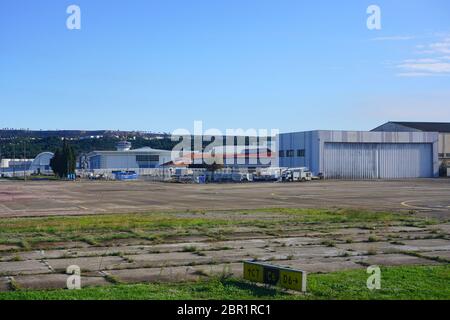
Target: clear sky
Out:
[158,65]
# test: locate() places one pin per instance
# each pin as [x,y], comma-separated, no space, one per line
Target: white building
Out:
[15,164]
[125,158]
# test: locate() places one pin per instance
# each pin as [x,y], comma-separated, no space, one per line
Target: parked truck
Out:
[296,175]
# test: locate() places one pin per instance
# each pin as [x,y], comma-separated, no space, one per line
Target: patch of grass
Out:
[112,279]
[328,243]
[16,258]
[13,285]
[89,240]
[344,254]
[189,249]
[224,248]
[201,272]
[25,245]
[397,283]
[127,259]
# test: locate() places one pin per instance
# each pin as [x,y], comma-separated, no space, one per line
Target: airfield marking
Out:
[6,208]
[405,203]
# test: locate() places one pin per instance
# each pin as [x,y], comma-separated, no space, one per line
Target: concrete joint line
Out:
[47,265]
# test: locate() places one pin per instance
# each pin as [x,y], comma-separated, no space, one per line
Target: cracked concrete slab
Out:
[444,227]
[393,260]
[88,264]
[166,259]
[55,281]
[176,274]
[23,267]
[168,274]
[425,245]
[370,247]
[7,247]
[319,265]
[4,284]
[437,254]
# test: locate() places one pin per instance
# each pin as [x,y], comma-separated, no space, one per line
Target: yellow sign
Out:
[277,276]
[253,272]
[291,280]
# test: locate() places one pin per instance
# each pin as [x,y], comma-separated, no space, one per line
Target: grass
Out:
[419,282]
[156,227]
[190,249]
[328,243]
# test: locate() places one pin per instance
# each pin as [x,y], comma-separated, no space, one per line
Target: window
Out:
[281,153]
[441,155]
[95,162]
[290,153]
[301,153]
[447,155]
[147,158]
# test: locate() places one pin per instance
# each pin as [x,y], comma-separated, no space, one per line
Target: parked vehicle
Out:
[296,175]
[125,175]
[268,174]
[318,177]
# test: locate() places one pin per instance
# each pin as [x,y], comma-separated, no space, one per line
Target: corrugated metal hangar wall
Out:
[361,155]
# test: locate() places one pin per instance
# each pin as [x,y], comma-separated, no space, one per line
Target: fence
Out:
[181,175]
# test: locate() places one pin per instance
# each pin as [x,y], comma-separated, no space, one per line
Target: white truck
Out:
[296,175]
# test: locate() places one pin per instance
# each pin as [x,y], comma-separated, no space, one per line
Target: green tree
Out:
[55,163]
[64,161]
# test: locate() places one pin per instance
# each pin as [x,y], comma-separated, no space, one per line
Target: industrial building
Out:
[125,158]
[41,164]
[38,165]
[443,128]
[15,164]
[361,155]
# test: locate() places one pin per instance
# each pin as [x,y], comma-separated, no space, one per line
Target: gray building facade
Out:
[443,128]
[359,155]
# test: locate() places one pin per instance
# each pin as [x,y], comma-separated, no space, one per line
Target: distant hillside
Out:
[28,143]
[74,134]
[16,143]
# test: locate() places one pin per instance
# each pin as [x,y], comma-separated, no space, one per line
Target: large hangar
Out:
[443,128]
[359,155]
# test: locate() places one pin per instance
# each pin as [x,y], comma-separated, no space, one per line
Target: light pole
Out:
[24,161]
[1,160]
[14,160]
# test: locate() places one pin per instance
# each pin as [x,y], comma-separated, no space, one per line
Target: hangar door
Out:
[377,160]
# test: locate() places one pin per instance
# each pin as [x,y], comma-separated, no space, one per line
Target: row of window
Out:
[147,158]
[442,155]
[291,153]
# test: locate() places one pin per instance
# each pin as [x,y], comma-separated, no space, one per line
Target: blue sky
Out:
[158,65]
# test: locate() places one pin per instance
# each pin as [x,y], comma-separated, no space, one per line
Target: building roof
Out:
[426,126]
[130,152]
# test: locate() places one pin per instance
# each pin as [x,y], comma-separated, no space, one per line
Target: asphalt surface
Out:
[41,198]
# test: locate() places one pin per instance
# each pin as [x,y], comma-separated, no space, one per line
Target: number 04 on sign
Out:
[276,276]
